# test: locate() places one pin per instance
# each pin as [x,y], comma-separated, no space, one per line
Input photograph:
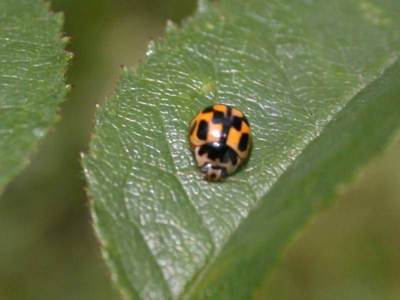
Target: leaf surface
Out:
[32,66]
[318,82]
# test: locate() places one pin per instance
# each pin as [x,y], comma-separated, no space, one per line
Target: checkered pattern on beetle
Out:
[220,137]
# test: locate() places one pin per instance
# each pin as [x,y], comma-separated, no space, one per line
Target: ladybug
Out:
[221,139]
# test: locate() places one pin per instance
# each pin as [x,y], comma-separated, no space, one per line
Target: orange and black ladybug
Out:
[220,137]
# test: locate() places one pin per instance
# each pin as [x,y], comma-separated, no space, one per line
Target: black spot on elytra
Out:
[218,117]
[244,141]
[193,127]
[202,130]
[224,171]
[237,123]
[208,109]
[219,151]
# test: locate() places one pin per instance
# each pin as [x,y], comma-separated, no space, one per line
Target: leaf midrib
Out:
[187,197]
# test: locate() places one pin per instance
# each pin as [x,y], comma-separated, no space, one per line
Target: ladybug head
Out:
[214,172]
[216,160]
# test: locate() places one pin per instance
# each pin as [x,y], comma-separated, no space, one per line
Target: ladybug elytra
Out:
[220,137]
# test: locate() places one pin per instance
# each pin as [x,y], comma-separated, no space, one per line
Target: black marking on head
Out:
[202,130]
[218,117]
[208,109]
[244,141]
[237,123]
[224,172]
[214,172]
[193,127]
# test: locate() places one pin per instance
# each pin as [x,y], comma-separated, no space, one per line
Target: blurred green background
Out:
[48,249]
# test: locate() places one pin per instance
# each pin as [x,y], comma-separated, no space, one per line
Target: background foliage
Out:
[48,250]
[32,66]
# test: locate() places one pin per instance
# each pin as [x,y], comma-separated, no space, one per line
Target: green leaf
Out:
[319,82]
[32,65]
